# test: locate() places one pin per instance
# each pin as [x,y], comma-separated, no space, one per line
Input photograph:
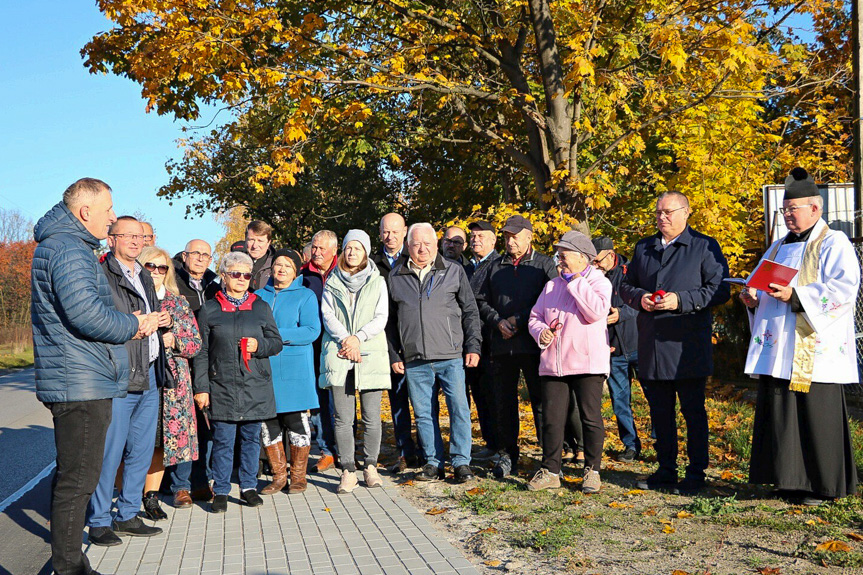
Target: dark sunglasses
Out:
[150,267]
[238,275]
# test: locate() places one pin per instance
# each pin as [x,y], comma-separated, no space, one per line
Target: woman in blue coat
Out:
[296,311]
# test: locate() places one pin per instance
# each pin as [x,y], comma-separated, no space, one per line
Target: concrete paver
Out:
[370,531]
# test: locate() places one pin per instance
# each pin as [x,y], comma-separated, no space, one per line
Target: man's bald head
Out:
[392,233]
[197,257]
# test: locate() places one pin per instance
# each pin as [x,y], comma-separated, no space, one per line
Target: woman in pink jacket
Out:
[569,323]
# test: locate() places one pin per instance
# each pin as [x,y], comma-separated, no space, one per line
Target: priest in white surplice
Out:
[803,349]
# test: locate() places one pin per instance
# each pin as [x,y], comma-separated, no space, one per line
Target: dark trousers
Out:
[224,437]
[323,419]
[505,398]
[662,397]
[479,381]
[555,403]
[401,412]
[573,433]
[80,428]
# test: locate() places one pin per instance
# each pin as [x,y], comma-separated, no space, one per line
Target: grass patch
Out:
[17,360]
[713,506]
[845,512]
[850,559]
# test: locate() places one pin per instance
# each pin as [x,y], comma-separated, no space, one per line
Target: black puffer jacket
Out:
[509,291]
[128,300]
[237,394]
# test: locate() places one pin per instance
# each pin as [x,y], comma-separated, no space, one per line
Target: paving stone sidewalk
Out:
[371,531]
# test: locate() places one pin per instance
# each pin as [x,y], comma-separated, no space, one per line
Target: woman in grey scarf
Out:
[354,356]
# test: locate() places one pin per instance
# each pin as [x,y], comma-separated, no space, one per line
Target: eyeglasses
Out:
[148,236]
[151,267]
[199,255]
[132,237]
[792,209]
[238,275]
[667,213]
[598,261]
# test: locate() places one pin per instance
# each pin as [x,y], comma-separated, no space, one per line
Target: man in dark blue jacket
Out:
[132,432]
[623,338]
[81,364]
[674,279]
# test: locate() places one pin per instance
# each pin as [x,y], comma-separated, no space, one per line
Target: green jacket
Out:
[373,372]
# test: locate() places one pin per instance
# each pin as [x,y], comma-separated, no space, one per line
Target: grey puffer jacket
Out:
[438,319]
[78,334]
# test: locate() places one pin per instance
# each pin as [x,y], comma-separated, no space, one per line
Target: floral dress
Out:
[179,426]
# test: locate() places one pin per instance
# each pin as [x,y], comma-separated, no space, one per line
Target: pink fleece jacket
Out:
[581,306]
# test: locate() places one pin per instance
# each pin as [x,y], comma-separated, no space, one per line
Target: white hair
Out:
[234,259]
[421,226]
[329,236]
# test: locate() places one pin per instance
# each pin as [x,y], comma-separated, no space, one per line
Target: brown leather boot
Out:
[299,460]
[279,465]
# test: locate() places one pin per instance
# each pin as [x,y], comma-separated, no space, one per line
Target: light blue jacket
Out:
[296,311]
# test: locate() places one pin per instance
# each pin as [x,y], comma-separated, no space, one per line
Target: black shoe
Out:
[628,456]
[219,504]
[152,509]
[135,527]
[251,497]
[463,474]
[503,467]
[429,473]
[412,461]
[104,537]
[658,481]
[690,486]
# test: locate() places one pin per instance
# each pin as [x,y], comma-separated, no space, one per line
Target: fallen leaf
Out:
[588,516]
[436,511]
[666,521]
[577,502]
[854,536]
[408,483]
[327,509]
[486,530]
[634,492]
[794,511]
[649,512]
[617,505]
[493,563]
[475,491]
[769,571]
[833,545]
[679,572]
[544,532]
[810,522]
[684,514]
[668,529]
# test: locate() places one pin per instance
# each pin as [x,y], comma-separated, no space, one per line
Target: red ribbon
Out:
[657,296]
[247,355]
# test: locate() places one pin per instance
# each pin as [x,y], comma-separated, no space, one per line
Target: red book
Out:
[770,272]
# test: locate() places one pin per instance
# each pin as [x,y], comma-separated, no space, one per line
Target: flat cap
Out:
[577,242]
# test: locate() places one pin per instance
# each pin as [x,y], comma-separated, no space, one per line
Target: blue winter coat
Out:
[299,321]
[78,334]
[677,344]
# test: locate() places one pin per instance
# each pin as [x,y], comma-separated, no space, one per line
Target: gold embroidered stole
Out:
[804,336]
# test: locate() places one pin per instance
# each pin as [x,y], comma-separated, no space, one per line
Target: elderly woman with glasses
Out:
[233,381]
[177,430]
[569,323]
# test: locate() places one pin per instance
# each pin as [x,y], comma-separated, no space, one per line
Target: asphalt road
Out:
[26,448]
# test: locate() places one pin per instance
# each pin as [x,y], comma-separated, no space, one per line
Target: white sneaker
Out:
[591,483]
[371,477]
[348,482]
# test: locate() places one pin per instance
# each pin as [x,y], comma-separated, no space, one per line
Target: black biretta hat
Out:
[799,184]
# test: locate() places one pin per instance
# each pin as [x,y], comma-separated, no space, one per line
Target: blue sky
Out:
[59,123]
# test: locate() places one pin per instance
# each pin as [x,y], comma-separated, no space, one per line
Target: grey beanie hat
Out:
[358,236]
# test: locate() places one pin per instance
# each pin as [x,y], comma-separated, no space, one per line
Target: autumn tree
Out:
[15,261]
[591,107]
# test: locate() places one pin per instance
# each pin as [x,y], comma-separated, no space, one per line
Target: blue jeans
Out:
[224,436]
[422,376]
[324,421]
[620,389]
[131,438]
